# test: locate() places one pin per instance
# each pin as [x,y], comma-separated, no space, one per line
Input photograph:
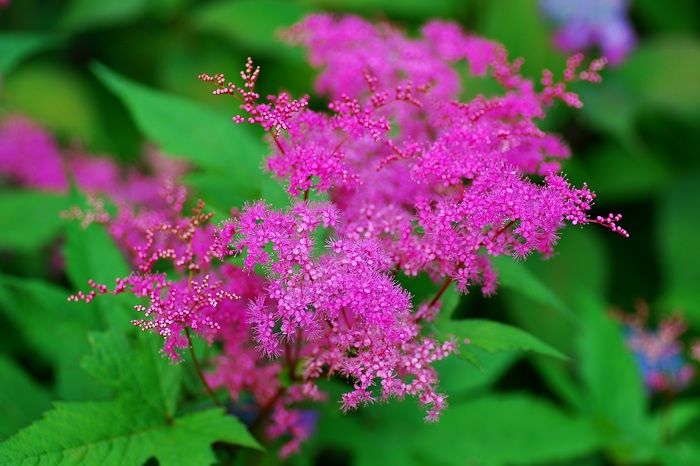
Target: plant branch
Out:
[198,369]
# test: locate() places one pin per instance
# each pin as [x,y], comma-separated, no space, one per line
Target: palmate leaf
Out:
[494,336]
[140,423]
[122,432]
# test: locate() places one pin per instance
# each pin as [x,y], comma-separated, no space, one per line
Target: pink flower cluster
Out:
[417,181]
[438,183]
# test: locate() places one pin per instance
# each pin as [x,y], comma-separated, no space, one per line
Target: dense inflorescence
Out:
[416,181]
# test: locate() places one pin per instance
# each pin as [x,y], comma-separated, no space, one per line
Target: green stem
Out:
[198,369]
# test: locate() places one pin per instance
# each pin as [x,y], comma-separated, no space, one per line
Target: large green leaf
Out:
[242,23]
[138,369]
[86,14]
[122,433]
[140,423]
[30,219]
[515,275]
[664,73]
[21,399]
[494,336]
[208,139]
[616,398]
[677,230]
[493,430]
[505,429]
[17,46]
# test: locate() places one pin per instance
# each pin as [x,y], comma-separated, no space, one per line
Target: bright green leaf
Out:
[30,219]
[243,24]
[122,433]
[504,429]
[207,138]
[87,14]
[17,46]
[494,336]
[516,276]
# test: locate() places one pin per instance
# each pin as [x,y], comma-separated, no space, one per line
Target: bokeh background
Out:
[636,142]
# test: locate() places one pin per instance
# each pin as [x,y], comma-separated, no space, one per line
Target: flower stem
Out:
[198,369]
[441,291]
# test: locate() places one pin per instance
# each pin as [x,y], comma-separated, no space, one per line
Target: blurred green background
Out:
[636,142]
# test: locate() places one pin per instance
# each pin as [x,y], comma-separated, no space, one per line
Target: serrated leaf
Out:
[207,138]
[494,336]
[30,219]
[242,23]
[22,400]
[137,368]
[458,377]
[122,433]
[17,46]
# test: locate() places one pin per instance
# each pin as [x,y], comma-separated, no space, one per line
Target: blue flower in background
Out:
[659,352]
[583,24]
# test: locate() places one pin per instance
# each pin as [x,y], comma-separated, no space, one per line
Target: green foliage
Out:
[54,329]
[494,336]
[17,46]
[677,232]
[22,400]
[208,139]
[242,23]
[30,219]
[141,422]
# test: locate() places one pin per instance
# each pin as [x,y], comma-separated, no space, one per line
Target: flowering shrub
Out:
[417,182]
[364,284]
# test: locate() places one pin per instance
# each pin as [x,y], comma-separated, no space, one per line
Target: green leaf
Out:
[69,111]
[615,393]
[30,219]
[492,430]
[416,9]
[17,46]
[138,369]
[86,14]
[504,429]
[677,230]
[21,399]
[242,23]
[663,73]
[207,138]
[515,275]
[494,336]
[140,423]
[122,432]
[54,328]
[456,377]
